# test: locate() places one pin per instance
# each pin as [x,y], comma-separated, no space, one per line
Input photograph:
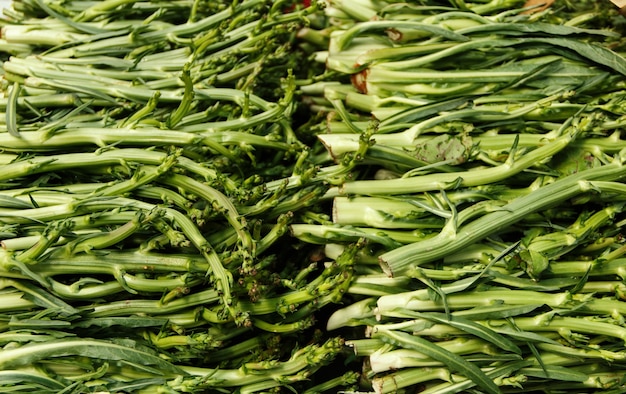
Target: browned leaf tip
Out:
[543,4]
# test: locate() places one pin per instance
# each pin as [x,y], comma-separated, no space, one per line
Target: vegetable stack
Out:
[489,191]
[350,196]
[149,170]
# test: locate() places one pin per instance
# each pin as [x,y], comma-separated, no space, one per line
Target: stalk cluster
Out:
[273,196]
[150,169]
[491,158]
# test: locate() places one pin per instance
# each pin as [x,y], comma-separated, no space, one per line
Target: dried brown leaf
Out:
[542,5]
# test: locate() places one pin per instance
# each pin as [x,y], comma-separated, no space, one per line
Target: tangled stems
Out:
[400,260]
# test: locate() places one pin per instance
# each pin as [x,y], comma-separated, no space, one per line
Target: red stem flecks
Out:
[305,4]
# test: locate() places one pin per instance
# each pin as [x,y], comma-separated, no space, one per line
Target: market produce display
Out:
[287,196]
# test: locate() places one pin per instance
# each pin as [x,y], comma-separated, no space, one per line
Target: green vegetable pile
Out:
[345,196]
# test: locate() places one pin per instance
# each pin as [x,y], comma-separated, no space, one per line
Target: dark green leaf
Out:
[98,349]
[452,360]
[470,327]
[9,377]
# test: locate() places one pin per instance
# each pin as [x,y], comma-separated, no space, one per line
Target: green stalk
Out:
[276,232]
[222,204]
[596,268]
[348,379]
[92,242]
[283,328]
[453,361]
[391,360]
[322,234]
[49,237]
[11,110]
[60,162]
[222,277]
[392,383]
[152,307]
[540,250]
[157,35]
[492,43]
[12,378]
[375,75]
[413,136]
[241,349]
[419,300]
[14,301]
[36,352]
[446,181]
[126,260]
[304,359]
[199,341]
[343,41]
[102,159]
[584,353]
[51,99]
[399,260]
[16,34]
[378,285]
[100,8]
[88,289]
[566,326]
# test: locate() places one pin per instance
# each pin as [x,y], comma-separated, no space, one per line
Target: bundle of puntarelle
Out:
[173,219]
[149,169]
[490,192]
